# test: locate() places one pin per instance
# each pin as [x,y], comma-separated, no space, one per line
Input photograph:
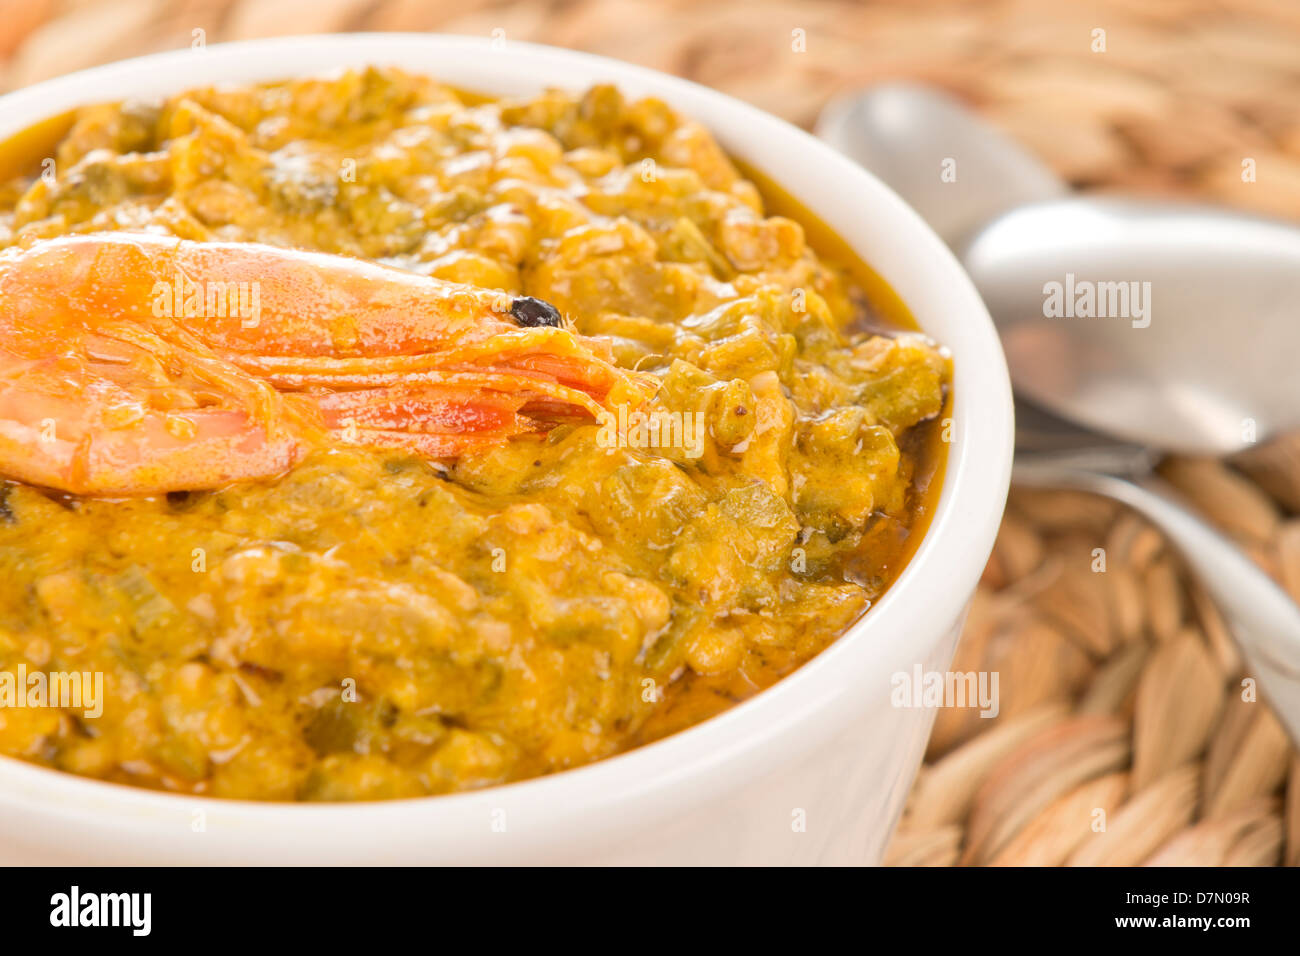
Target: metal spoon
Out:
[1189,343]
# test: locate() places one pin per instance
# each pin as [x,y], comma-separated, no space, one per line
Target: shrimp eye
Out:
[531,313]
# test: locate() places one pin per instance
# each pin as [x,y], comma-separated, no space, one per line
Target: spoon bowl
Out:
[1170,325]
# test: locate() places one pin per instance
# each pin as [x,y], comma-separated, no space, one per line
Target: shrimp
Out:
[133,364]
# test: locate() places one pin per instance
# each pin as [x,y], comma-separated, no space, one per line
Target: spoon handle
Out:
[1262,618]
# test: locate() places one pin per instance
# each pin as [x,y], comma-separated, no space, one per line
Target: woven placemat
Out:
[1123,736]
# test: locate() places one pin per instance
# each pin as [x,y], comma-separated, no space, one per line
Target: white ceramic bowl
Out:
[813,770]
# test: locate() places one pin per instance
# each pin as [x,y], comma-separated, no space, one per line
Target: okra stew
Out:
[368,619]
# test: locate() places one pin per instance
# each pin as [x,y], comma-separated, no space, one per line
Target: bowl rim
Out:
[716,756]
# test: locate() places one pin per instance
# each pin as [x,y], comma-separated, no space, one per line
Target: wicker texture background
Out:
[1120,691]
